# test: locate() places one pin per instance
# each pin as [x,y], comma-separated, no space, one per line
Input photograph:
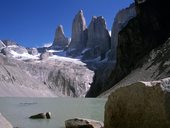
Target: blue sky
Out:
[32,23]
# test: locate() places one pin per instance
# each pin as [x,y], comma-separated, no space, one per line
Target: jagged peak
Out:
[99,19]
[60,29]
[80,12]
[80,18]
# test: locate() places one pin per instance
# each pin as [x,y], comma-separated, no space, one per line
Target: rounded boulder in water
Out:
[46,115]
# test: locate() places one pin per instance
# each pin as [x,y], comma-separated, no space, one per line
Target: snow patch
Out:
[110,33]
[52,51]
[165,84]
[12,46]
[58,52]
[47,44]
[150,83]
[23,56]
[61,58]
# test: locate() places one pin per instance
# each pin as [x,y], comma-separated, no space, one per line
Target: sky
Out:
[32,23]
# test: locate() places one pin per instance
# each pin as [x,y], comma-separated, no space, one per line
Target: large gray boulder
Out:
[98,38]
[79,35]
[83,123]
[60,41]
[120,21]
[139,105]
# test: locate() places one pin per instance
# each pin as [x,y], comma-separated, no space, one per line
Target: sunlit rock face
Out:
[60,41]
[121,20]
[79,35]
[142,105]
[98,39]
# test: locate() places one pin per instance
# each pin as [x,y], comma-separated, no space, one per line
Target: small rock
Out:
[45,55]
[83,123]
[33,51]
[46,115]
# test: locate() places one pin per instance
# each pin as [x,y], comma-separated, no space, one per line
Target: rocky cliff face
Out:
[103,72]
[69,78]
[148,30]
[98,39]
[138,100]
[79,35]
[60,41]
[34,78]
[121,20]
[156,66]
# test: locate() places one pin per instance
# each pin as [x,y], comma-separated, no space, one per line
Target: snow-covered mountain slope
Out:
[60,75]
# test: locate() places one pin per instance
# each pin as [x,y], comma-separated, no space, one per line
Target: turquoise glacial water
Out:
[18,110]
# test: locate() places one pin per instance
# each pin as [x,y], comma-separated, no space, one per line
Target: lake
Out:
[18,110]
